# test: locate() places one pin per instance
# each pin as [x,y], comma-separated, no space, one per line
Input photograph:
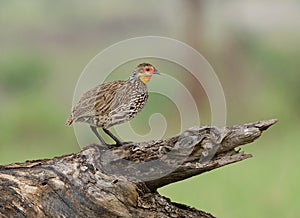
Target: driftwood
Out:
[121,181]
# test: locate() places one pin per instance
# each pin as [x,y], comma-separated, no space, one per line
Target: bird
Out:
[114,102]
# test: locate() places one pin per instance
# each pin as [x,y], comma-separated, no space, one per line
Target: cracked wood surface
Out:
[122,181]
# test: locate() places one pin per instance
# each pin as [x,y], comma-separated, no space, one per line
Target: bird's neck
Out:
[145,79]
[141,79]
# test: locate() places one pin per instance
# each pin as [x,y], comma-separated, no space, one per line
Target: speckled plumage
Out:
[113,102]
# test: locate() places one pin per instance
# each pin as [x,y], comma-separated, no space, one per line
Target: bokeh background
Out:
[252,45]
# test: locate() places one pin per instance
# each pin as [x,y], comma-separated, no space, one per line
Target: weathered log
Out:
[121,181]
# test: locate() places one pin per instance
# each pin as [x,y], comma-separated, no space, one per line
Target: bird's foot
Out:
[119,144]
[107,146]
[103,146]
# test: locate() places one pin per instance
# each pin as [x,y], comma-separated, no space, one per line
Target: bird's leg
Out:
[94,129]
[118,142]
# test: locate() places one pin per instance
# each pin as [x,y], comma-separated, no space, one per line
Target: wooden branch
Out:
[122,181]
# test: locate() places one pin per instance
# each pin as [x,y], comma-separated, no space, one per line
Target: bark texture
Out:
[121,181]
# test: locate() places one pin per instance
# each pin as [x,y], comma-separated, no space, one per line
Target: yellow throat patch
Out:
[145,79]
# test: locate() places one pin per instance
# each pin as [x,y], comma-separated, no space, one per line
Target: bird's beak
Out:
[156,72]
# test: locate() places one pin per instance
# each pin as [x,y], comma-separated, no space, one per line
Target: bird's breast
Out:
[138,101]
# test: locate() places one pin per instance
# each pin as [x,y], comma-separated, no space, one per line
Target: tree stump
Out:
[121,181]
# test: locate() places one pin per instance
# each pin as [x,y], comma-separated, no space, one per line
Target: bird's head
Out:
[144,72]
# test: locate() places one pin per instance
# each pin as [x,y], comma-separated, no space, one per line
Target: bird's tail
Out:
[69,120]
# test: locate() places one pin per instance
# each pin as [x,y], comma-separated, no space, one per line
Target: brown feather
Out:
[113,102]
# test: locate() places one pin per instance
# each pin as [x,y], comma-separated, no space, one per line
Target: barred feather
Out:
[113,102]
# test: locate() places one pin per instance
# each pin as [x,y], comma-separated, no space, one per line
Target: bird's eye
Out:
[148,69]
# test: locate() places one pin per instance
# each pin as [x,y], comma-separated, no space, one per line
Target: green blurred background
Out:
[252,45]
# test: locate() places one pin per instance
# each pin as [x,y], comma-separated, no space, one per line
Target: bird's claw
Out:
[119,144]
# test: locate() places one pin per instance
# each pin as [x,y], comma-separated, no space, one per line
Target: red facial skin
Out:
[149,69]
